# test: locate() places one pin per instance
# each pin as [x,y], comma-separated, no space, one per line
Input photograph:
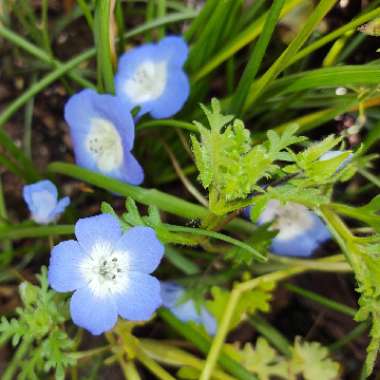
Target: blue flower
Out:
[172,298]
[109,271]
[331,154]
[152,77]
[300,231]
[42,200]
[103,132]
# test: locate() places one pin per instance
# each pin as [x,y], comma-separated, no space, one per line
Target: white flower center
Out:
[45,203]
[291,219]
[103,142]
[147,83]
[105,270]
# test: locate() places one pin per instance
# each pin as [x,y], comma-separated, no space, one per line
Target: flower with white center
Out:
[185,310]
[300,231]
[109,272]
[103,132]
[152,77]
[42,200]
[332,154]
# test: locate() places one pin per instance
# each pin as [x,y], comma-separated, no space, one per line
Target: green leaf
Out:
[250,302]
[229,166]
[311,359]
[263,360]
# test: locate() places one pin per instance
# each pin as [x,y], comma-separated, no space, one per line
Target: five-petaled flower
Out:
[103,132]
[42,200]
[152,77]
[109,270]
[185,310]
[300,231]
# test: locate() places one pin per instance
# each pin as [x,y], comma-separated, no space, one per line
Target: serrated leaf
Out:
[250,302]
[312,360]
[263,360]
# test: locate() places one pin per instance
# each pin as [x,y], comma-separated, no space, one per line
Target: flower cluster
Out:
[149,77]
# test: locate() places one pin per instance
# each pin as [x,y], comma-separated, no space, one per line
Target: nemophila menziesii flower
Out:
[42,200]
[103,132]
[109,272]
[186,310]
[336,153]
[300,231]
[152,77]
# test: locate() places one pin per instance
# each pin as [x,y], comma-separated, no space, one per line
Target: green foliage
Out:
[39,323]
[316,172]
[309,359]
[263,360]
[250,302]
[260,239]
[230,167]
[132,217]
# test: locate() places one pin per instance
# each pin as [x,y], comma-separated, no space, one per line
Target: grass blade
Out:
[315,18]
[256,57]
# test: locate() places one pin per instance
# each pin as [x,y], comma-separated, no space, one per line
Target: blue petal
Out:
[301,245]
[87,105]
[208,322]
[174,49]
[128,64]
[63,273]
[131,172]
[141,297]
[142,247]
[44,185]
[172,100]
[97,228]
[319,232]
[186,312]
[170,293]
[60,208]
[95,314]
[41,199]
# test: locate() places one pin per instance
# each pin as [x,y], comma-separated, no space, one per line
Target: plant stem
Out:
[16,360]
[21,232]
[150,197]
[237,291]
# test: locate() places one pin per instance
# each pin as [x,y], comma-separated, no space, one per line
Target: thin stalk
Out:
[103,15]
[153,197]
[355,333]
[86,13]
[233,300]
[271,334]
[161,12]
[22,232]
[43,83]
[7,244]
[203,344]
[218,236]
[282,62]
[255,58]
[372,178]
[16,360]
[326,302]
[45,25]
[27,141]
